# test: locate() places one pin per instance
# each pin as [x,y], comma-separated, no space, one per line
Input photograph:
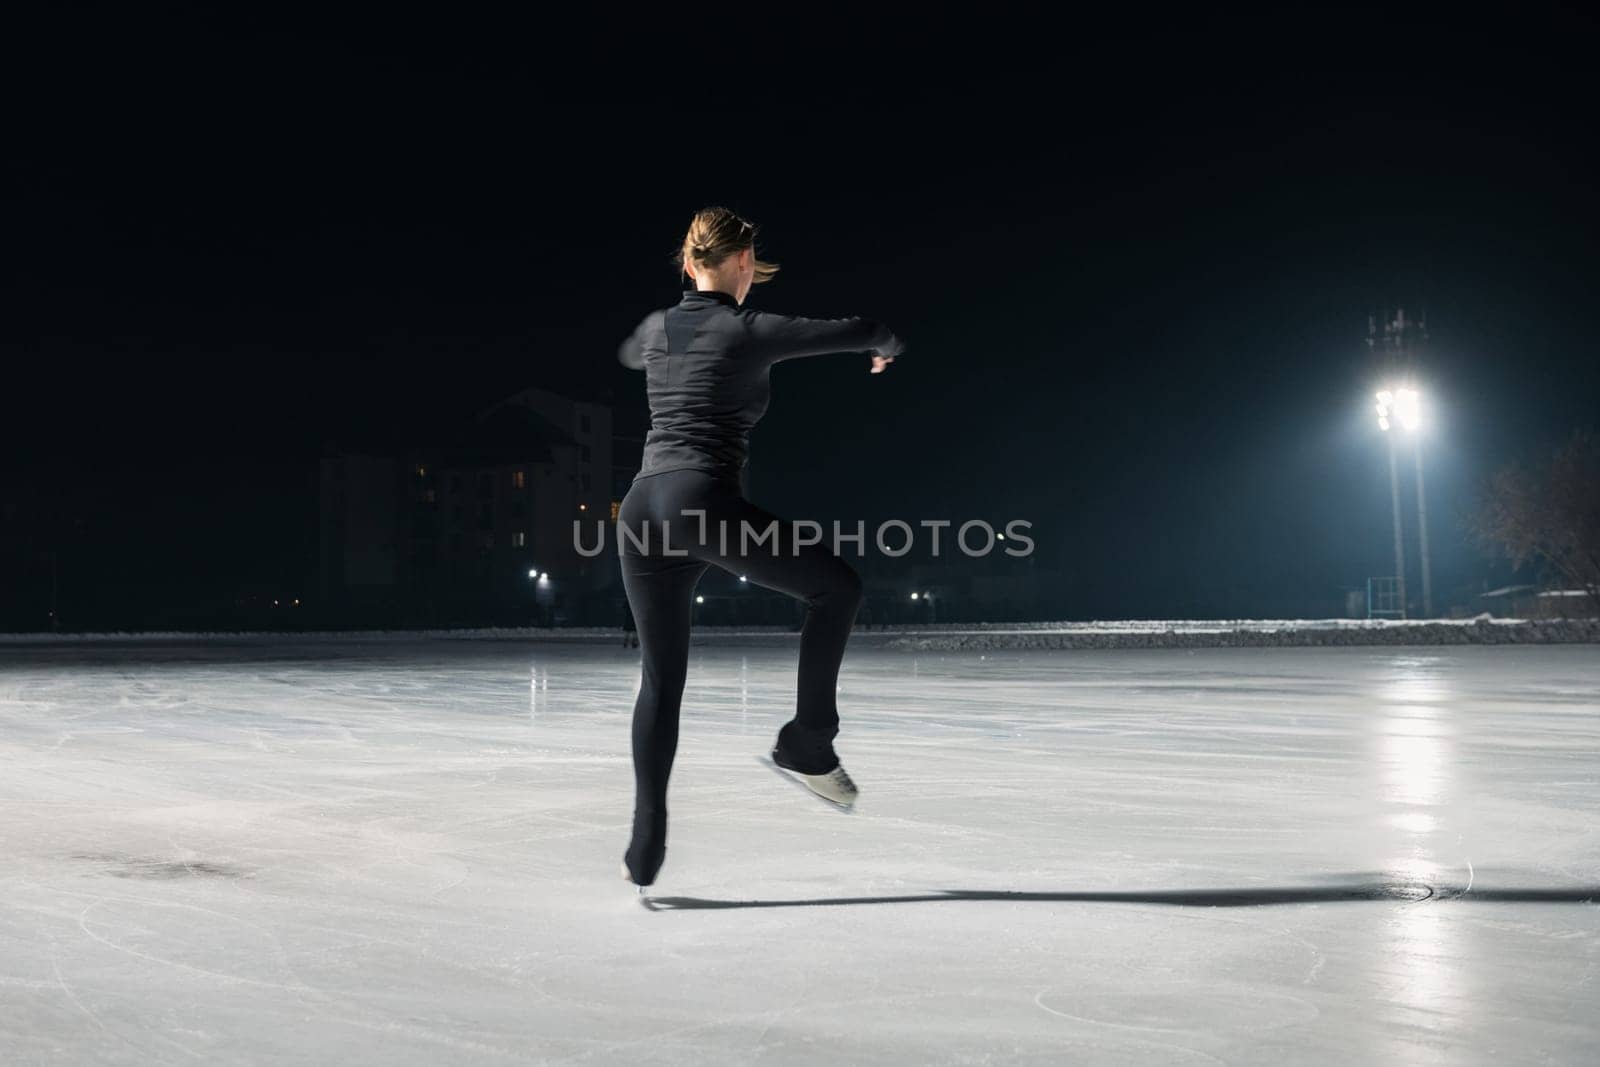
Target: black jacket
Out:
[706,362]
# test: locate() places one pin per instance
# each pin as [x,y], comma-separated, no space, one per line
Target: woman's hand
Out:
[880,362]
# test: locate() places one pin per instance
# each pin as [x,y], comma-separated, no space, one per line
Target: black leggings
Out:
[660,577]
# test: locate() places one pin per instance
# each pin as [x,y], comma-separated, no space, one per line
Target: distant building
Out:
[1529,602]
[462,524]
[587,425]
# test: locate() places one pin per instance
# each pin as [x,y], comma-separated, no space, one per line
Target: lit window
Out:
[616,509]
[519,479]
[422,472]
[519,540]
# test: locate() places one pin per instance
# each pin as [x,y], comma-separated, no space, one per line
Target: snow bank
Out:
[1263,633]
[1113,633]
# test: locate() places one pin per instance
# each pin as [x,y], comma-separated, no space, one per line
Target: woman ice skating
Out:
[706,361]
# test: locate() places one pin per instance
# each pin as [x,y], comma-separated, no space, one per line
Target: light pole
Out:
[1422,534]
[1386,403]
[1405,405]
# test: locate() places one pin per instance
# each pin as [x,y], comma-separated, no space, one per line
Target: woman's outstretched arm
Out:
[631,352]
[778,337]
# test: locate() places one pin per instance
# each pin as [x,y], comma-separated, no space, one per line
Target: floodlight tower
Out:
[1385,398]
[1399,347]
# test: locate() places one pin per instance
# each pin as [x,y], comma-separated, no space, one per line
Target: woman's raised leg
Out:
[831,591]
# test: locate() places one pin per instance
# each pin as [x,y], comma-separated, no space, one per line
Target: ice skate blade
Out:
[845,809]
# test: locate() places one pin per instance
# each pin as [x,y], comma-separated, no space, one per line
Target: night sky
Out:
[1133,264]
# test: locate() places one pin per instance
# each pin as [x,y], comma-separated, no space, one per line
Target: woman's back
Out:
[707,363]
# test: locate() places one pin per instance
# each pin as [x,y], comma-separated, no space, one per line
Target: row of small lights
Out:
[914,596]
[700,599]
[543,578]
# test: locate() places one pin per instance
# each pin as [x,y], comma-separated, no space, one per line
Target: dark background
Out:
[1133,263]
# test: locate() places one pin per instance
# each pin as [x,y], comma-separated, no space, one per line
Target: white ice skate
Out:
[835,786]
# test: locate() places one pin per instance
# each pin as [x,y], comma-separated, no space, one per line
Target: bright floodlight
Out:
[742,578]
[534,573]
[1408,405]
[699,600]
[914,596]
[1402,404]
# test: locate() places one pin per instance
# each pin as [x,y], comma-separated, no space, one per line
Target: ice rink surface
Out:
[406,852]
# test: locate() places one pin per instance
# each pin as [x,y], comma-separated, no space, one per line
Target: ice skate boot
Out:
[648,849]
[833,785]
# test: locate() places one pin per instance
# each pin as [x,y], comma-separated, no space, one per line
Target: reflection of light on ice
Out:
[744,692]
[1413,683]
[538,689]
[1411,765]
[1424,984]
[1412,869]
[1414,737]
[1414,753]
[1415,822]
